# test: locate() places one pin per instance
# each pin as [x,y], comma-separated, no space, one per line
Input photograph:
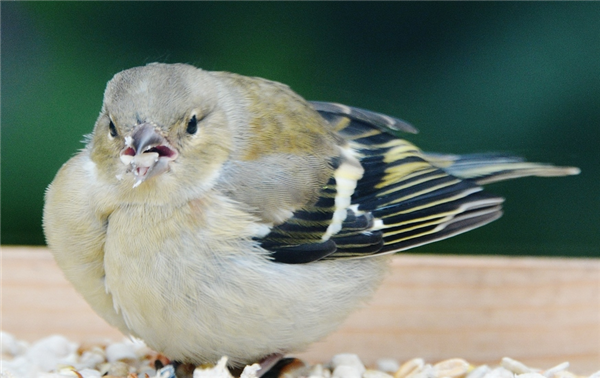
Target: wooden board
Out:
[542,311]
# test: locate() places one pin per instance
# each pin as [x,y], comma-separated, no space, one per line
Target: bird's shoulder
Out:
[276,118]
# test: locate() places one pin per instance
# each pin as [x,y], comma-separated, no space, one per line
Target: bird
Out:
[213,214]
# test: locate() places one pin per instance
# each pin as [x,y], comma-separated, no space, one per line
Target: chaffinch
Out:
[212,214]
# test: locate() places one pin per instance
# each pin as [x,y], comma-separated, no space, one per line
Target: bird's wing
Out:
[404,198]
[398,200]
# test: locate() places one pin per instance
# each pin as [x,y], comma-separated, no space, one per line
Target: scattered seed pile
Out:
[57,357]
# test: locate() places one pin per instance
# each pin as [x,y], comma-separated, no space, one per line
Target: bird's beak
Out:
[147,153]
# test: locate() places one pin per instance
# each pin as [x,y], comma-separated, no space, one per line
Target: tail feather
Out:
[487,168]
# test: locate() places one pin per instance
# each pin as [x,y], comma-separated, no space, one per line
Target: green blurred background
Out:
[473,77]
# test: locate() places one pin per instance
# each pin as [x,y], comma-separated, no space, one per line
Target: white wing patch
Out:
[346,176]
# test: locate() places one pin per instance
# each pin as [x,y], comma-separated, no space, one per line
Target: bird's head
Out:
[162,127]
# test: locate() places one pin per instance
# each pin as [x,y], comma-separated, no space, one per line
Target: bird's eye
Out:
[192,125]
[112,129]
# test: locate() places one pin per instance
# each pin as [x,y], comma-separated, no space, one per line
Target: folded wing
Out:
[400,199]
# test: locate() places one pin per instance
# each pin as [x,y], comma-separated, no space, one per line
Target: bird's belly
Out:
[196,299]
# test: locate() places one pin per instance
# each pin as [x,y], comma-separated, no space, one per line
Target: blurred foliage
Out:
[473,77]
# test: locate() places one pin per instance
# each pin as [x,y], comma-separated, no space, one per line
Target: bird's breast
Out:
[166,258]
[196,288]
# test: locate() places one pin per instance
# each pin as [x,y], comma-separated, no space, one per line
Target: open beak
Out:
[147,153]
